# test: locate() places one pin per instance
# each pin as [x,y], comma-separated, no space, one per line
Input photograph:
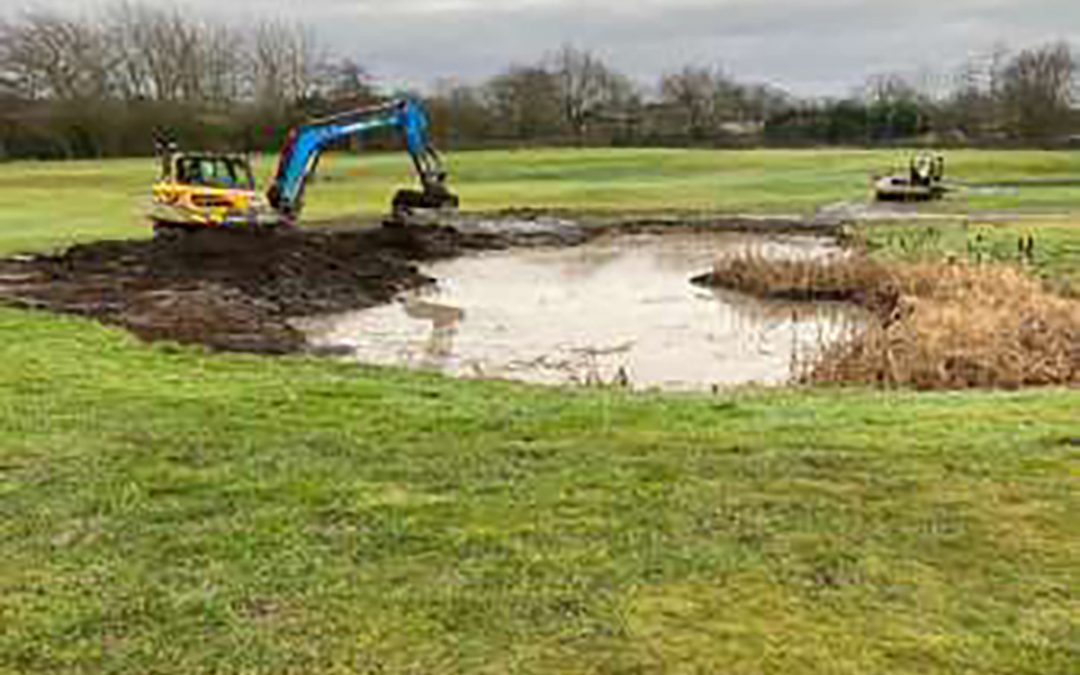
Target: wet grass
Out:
[173,512]
[52,204]
[1050,249]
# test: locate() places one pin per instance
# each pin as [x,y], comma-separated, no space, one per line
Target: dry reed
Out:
[936,325]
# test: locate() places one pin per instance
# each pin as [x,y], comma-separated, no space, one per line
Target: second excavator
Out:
[199,190]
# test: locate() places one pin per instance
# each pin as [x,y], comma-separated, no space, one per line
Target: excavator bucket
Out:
[435,197]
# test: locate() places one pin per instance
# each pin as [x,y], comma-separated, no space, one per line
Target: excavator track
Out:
[172,230]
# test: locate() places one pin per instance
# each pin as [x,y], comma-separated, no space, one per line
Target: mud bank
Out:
[240,291]
[234,291]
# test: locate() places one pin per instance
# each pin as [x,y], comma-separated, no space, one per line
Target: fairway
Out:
[167,509]
[50,204]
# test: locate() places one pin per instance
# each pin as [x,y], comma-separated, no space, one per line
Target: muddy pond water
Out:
[617,310]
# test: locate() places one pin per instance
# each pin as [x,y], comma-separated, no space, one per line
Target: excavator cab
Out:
[207,189]
[226,172]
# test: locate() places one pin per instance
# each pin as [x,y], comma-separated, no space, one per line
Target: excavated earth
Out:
[232,290]
[238,291]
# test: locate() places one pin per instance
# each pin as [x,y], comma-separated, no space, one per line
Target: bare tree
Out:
[163,40]
[288,65]
[970,106]
[587,87]
[759,101]
[704,98]
[165,56]
[75,84]
[1036,91]
[691,92]
[349,83]
[223,63]
[889,88]
[11,82]
[459,113]
[124,24]
[47,55]
[526,102]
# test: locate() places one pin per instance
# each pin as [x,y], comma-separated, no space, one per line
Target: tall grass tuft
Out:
[937,325]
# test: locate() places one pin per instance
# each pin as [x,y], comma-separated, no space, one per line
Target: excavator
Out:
[923,181]
[198,190]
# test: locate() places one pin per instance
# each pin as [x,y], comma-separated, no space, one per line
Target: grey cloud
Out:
[823,46]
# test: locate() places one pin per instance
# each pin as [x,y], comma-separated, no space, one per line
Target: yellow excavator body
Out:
[199,190]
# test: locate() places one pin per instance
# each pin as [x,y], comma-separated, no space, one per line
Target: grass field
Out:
[51,203]
[1054,256]
[171,511]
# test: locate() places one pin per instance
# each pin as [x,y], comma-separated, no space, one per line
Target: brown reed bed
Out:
[935,325]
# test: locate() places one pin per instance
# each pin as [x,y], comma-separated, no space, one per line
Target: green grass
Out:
[167,510]
[57,203]
[1054,254]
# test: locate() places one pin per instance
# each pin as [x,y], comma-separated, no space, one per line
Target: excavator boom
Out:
[306,142]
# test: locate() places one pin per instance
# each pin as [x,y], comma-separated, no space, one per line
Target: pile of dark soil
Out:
[233,290]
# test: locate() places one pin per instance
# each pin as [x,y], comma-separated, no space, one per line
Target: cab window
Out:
[218,172]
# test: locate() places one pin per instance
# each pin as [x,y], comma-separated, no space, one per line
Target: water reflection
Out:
[444,320]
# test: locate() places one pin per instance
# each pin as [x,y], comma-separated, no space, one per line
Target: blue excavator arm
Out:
[306,142]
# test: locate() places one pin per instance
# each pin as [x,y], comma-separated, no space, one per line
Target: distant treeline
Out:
[98,85]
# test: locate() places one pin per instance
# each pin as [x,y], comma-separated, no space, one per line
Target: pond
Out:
[617,310]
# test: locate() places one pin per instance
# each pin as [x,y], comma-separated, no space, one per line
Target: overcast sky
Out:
[806,46]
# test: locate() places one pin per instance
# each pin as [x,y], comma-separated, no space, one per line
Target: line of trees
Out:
[98,84]
[1025,98]
[94,86]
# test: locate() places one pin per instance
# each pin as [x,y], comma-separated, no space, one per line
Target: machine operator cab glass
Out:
[215,171]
